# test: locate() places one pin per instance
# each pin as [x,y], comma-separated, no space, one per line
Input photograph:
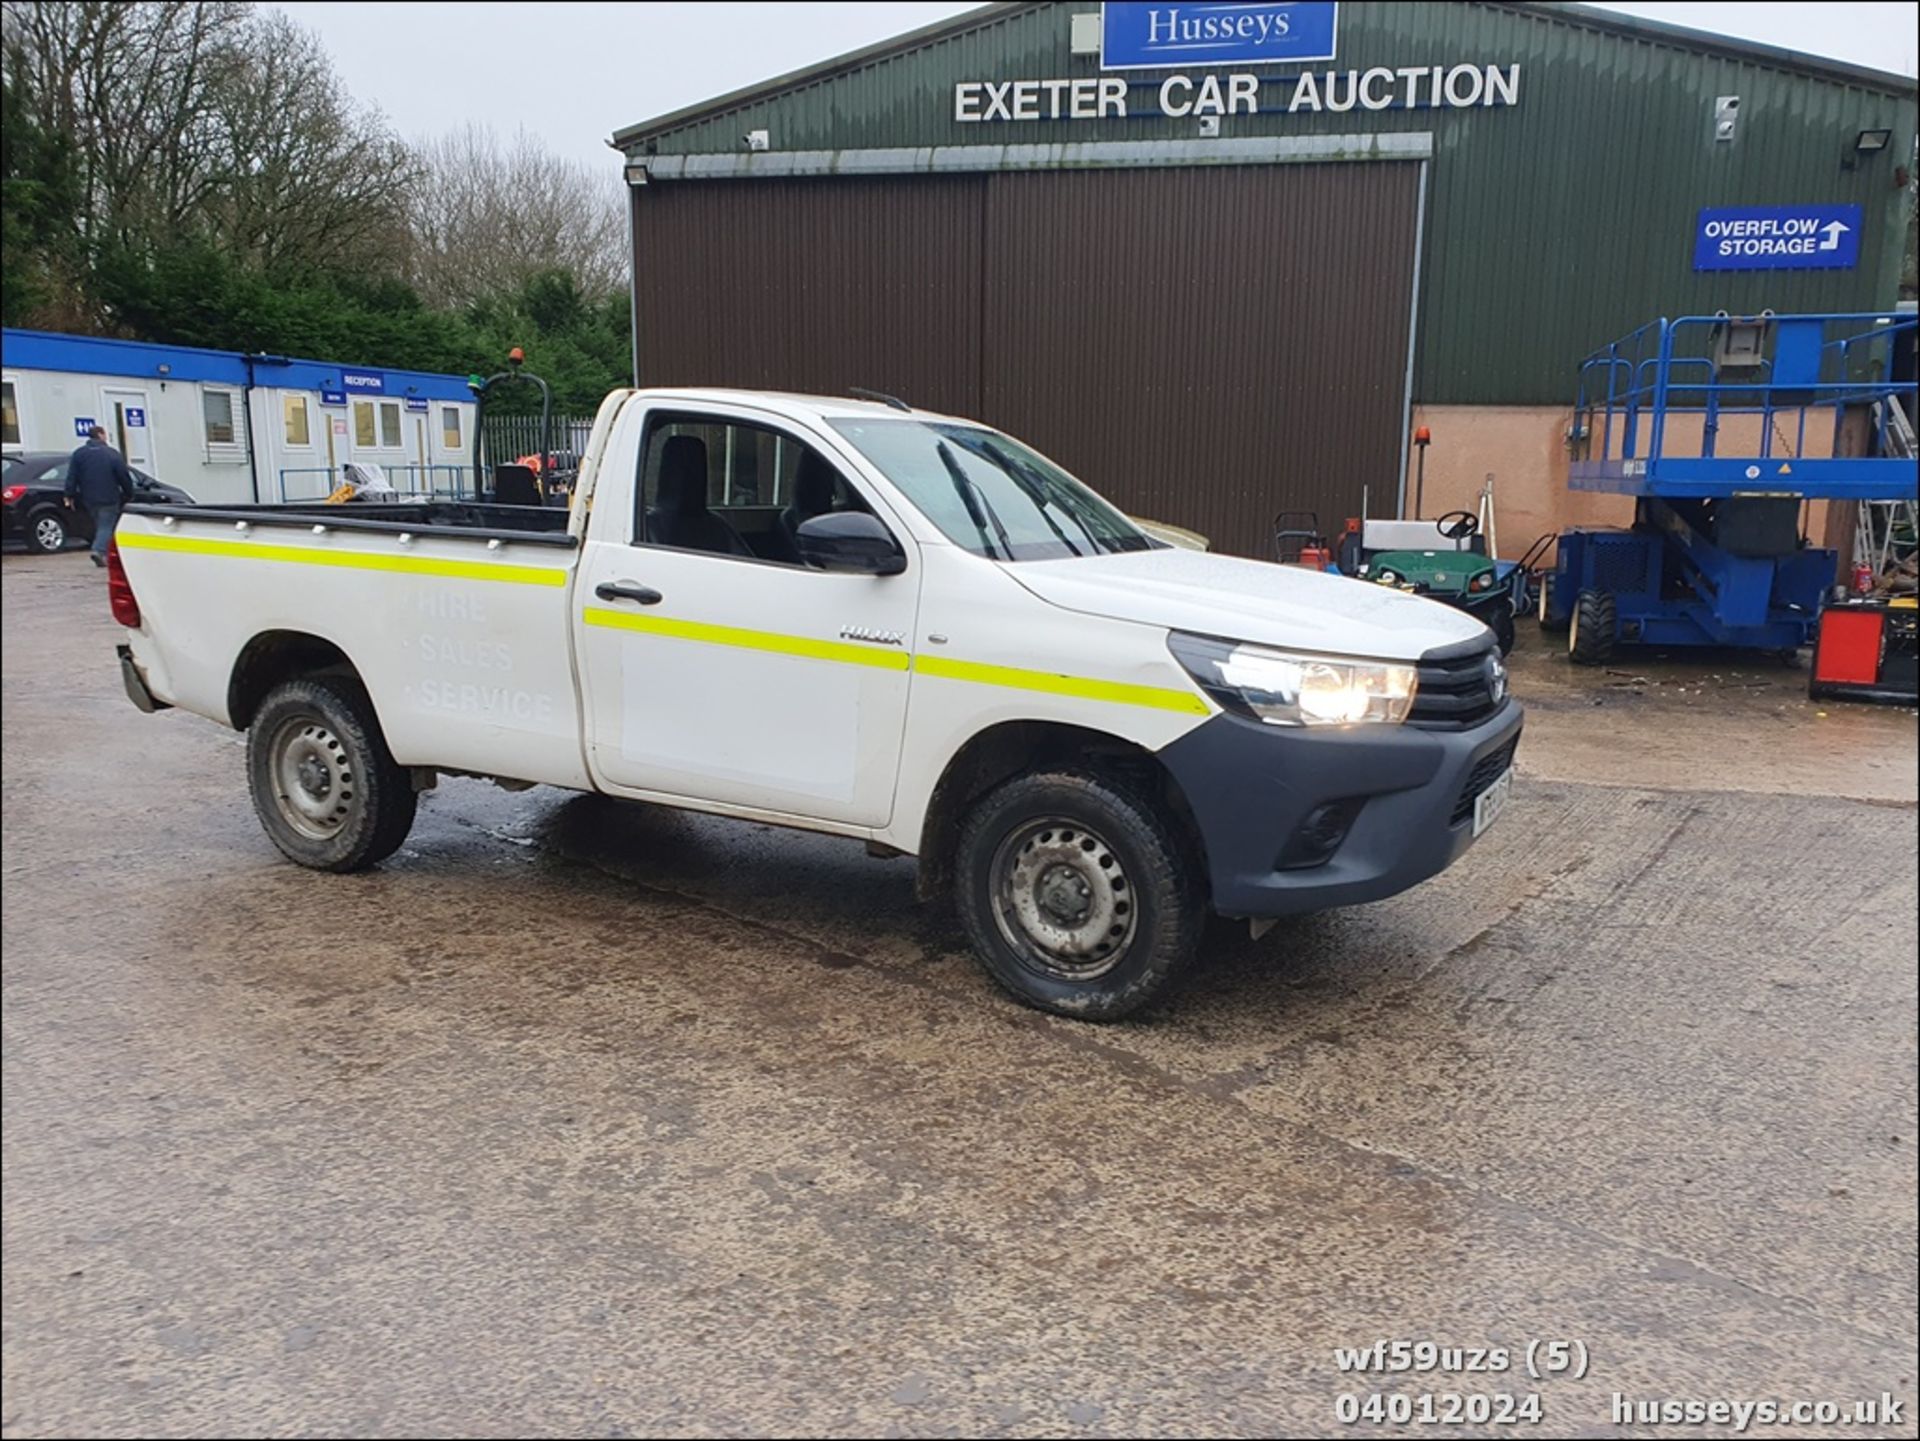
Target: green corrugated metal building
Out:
[1448,213]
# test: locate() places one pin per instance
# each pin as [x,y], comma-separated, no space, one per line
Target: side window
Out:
[732,488]
[293,409]
[363,423]
[220,418]
[450,426]
[390,425]
[9,413]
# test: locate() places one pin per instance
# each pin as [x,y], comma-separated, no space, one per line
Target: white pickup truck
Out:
[855,618]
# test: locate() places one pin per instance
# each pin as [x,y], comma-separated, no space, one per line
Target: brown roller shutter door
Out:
[1206,346]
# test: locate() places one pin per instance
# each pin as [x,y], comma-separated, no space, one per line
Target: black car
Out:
[34,505]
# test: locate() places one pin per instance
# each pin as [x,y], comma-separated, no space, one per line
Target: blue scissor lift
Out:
[1704,421]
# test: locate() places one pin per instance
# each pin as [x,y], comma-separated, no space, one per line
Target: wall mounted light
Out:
[1867,142]
[636,173]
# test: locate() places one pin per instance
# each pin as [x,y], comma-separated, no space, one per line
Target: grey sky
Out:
[574,73]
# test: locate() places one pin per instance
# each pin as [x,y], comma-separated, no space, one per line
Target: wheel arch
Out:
[274,656]
[1009,748]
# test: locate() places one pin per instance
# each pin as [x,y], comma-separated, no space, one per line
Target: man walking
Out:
[97,477]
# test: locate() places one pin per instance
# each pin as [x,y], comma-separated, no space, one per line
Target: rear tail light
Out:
[12,493]
[126,609]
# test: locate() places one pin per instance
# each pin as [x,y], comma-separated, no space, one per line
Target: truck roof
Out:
[794,404]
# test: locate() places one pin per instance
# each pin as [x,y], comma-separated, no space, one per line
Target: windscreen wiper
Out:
[1022,476]
[973,500]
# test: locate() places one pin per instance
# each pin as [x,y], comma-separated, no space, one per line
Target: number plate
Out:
[1491,801]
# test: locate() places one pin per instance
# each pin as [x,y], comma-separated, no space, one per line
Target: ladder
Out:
[1886,532]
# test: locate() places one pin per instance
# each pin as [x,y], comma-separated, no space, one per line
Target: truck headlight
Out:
[1290,688]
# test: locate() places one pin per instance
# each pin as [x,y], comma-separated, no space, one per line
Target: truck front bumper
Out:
[1405,795]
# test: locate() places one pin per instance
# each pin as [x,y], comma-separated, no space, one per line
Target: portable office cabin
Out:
[1223,278]
[231,428]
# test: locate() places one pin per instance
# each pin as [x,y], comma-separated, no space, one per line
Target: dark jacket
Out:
[98,475]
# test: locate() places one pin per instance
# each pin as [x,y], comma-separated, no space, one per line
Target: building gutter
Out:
[1071,155]
[246,408]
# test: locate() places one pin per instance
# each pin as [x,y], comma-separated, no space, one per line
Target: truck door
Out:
[716,667]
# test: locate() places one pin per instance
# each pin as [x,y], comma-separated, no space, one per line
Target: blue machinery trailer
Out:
[1705,421]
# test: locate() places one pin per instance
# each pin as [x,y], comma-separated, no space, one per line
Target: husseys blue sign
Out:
[363,382]
[1160,33]
[1777,237]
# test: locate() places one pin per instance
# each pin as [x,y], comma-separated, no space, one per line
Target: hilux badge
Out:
[867,633]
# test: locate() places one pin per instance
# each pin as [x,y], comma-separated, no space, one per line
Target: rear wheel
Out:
[1548,622]
[1075,894]
[46,532]
[1595,624]
[325,787]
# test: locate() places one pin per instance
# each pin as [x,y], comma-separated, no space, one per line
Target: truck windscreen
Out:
[989,493]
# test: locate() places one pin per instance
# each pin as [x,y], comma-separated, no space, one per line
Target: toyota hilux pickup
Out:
[856,618]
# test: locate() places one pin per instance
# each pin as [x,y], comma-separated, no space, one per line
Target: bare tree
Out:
[203,119]
[488,215]
[302,173]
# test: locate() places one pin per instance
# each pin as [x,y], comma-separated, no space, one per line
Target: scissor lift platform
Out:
[1722,428]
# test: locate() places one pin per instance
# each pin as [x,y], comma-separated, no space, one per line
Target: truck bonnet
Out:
[1249,600]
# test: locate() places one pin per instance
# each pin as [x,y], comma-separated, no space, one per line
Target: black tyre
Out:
[324,784]
[1549,623]
[1500,622]
[1595,624]
[1076,895]
[47,531]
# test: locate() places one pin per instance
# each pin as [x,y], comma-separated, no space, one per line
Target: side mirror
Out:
[852,541]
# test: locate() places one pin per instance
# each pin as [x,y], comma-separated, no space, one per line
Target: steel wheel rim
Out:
[1573,633]
[315,788]
[50,533]
[1062,900]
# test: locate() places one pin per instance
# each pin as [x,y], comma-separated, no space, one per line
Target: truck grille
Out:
[1457,689]
[1488,769]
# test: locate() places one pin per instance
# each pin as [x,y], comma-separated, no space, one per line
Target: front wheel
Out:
[1501,624]
[1596,623]
[1076,895]
[324,785]
[46,532]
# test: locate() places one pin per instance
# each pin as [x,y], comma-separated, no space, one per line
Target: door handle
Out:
[646,595]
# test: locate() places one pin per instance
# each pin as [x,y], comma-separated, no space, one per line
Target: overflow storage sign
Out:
[1778,237]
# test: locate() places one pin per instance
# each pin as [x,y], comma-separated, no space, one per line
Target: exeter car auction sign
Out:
[1449,87]
[1778,237]
[1208,33]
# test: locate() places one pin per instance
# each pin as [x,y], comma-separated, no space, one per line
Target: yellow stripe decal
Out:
[766,640]
[348,559]
[1118,692]
[1114,692]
